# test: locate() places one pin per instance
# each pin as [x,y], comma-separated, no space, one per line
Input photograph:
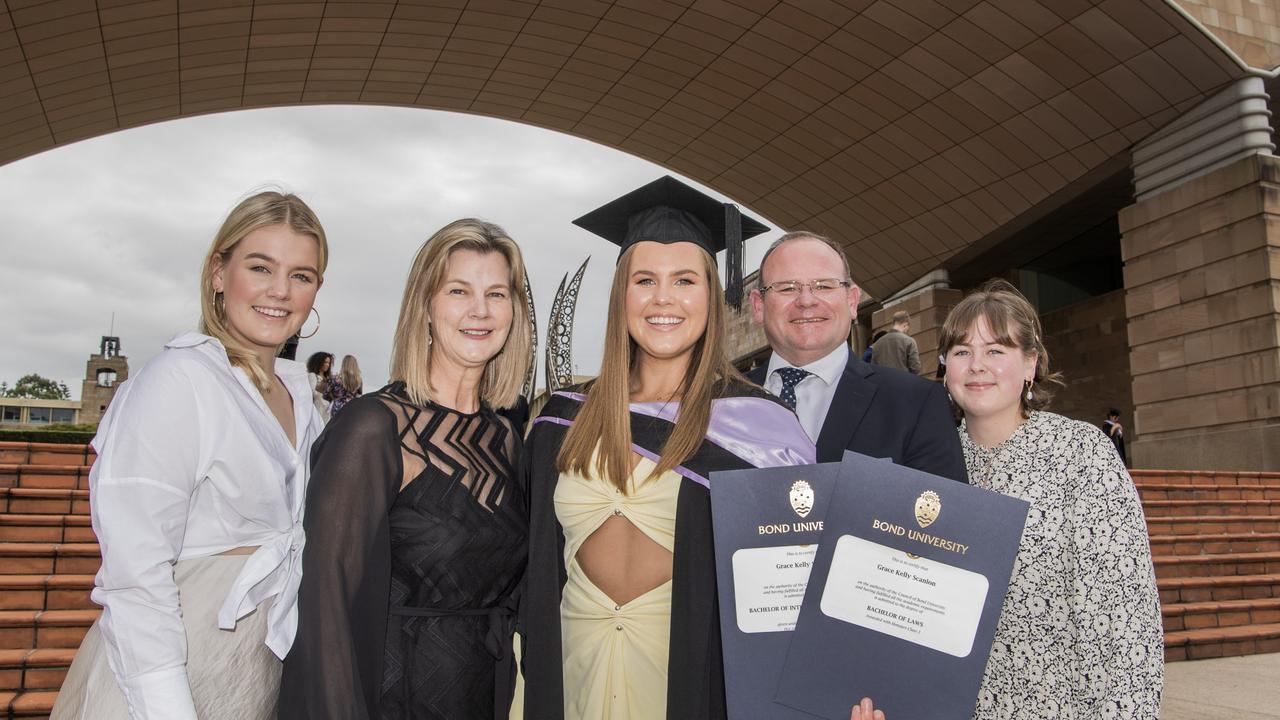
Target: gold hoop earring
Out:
[313,332]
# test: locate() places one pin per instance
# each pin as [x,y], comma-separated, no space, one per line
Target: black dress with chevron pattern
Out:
[416,544]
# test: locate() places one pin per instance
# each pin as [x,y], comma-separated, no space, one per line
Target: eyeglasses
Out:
[788,289]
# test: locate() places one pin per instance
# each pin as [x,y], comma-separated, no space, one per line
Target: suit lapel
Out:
[757,374]
[848,407]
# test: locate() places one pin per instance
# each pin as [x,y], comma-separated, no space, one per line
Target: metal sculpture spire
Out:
[531,375]
[559,359]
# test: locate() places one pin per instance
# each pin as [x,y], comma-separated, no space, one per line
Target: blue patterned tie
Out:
[790,378]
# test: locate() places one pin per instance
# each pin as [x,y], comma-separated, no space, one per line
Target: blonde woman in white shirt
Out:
[197,494]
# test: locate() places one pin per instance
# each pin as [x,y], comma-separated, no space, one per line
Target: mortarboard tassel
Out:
[733,255]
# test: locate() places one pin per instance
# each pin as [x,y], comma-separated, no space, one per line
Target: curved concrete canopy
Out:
[907,129]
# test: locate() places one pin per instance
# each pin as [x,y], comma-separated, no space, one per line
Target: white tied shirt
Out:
[814,393]
[192,463]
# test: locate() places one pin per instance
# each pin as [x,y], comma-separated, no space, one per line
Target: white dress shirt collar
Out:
[829,367]
[293,374]
[813,394]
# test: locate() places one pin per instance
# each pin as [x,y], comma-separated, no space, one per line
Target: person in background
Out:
[416,518]
[896,348]
[619,617]
[197,493]
[866,354]
[806,302]
[1080,634]
[319,367]
[1114,430]
[345,386]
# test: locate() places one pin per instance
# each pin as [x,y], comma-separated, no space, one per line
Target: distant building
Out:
[29,414]
[103,374]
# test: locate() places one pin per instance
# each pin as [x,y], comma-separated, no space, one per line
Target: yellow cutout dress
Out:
[615,656]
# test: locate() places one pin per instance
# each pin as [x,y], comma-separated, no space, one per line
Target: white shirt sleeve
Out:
[149,456]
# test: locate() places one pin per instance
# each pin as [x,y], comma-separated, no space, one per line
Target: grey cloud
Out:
[120,223]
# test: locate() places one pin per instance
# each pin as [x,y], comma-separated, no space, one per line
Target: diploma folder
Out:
[904,595]
[766,523]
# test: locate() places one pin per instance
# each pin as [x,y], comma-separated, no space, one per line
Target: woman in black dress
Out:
[416,522]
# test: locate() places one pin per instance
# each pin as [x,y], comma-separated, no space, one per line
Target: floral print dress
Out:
[337,394]
[1080,634]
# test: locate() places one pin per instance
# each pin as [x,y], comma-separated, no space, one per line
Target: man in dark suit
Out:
[806,302]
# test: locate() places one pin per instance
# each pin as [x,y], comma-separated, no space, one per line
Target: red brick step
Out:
[1165,545]
[28,629]
[46,592]
[1260,563]
[42,501]
[24,453]
[46,528]
[1225,613]
[29,705]
[1221,642]
[1213,525]
[1205,589]
[42,669]
[1223,478]
[36,558]
[66,477]
[1167,491]
[1200,508]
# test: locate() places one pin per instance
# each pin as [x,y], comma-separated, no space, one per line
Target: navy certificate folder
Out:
[766,524]
[904,595]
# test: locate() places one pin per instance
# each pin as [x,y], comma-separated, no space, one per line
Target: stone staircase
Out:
[1215,538]
[1215,542]
[48,557]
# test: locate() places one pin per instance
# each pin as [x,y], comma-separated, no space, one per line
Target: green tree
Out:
[36,387]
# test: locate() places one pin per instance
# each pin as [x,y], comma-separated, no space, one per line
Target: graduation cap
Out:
[668,211]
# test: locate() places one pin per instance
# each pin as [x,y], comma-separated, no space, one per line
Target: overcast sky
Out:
[119,224]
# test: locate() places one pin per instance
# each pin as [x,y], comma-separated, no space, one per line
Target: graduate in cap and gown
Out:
[619,617]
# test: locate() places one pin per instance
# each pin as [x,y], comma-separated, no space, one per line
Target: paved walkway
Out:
[1238,688]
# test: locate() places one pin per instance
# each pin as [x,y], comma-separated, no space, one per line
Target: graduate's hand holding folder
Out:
[857,579]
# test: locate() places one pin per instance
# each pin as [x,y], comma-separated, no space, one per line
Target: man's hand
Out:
[866,710]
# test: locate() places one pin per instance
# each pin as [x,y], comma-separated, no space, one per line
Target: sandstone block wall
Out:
[1202,296]
[1088,343]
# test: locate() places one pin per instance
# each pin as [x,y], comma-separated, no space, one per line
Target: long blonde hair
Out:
[350,375]
[411,352]
[260,210]
[604,419]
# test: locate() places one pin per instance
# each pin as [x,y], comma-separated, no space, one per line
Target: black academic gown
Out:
[695,677]
[888,413]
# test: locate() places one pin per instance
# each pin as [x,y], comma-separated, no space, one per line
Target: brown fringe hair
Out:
[411,350]
[1015,324]
[260,210]
[604,420]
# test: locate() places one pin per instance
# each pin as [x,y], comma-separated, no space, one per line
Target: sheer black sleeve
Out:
[334,669]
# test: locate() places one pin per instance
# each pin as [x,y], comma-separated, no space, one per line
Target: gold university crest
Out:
[801,498]
[928,505]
